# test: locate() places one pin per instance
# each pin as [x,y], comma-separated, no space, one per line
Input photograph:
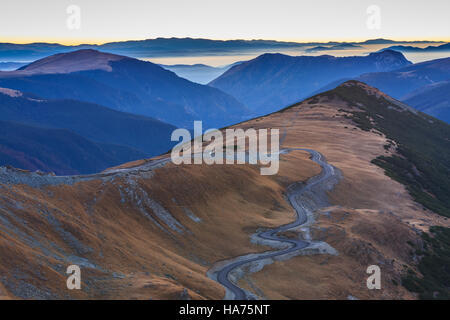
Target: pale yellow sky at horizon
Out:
[284,20]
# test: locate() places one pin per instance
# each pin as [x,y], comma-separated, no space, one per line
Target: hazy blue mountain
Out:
[125,84]
[318,48]
[422,85]
[199,73]
[7,66]
[433,99]
[57,150]
[94,122]
[341,46]
[444,47]
[143,48]
[30,51]
[379,41]
[189,46]
[272,81]
[399,83]
[388,41]
[165,47]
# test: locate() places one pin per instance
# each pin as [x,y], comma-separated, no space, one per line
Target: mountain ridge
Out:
[57,150]
[126,84]
[166,47]
[403,82]
[94,122]
[273,80]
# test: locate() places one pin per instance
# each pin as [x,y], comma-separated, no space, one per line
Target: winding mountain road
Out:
[326,179]
[304,198]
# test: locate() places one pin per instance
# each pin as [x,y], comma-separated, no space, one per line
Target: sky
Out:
[99,21]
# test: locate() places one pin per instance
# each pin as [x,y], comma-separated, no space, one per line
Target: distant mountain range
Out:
[168,47]
[441,48]
[199,73]
[271,81]
[341,46]
[433,99]
[84,111]
[422,85]
[401,82]
[125,84]
[142,48]
[7,66]
[120,109]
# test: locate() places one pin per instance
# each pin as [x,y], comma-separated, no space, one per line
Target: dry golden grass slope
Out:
[154,235]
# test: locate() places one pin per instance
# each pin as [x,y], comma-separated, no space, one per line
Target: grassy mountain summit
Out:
[421,143]
[418,157]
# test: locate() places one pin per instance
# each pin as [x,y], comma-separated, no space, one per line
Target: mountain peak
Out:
[372,91]
[389,59]
[80,60]
[368,89]
[280,80]
[387,52]
[378,41]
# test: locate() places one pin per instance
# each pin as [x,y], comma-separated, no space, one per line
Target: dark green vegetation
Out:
[434,266]
[422,162]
